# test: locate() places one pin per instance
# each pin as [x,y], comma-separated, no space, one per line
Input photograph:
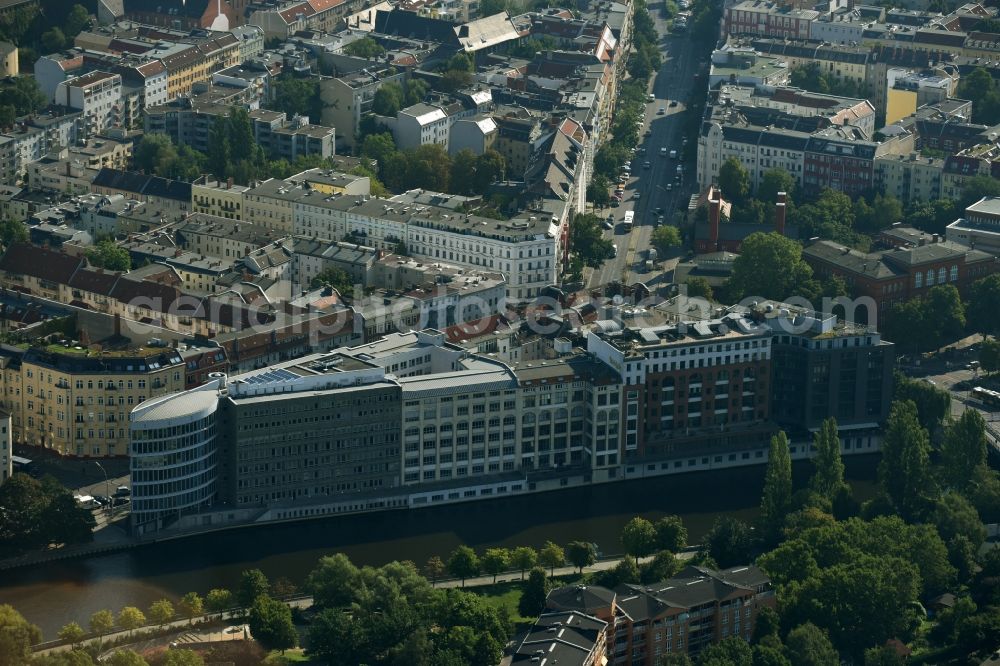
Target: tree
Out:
[53,40]
[933,404]
[102,622]
[220,150]
[71,633]
[769,655]
[298,96]
[671,534]
[191,606]
[946,311]
[551,556]
[989,356]
[131,618]
[490,167]
[335,278]
[12,231]
[581,554]
[177,657]
[271,624]
[983,305]
[253,583]
[767,624]
[769,266]
[429,167]
[523,558]
[732,651]
[366,48]
[663,566]
[980,88]
[774,181]
[434,568]
[536,590]
[955,516]
[828,474]
[218,600]
[777,497]
[160,612]
[729,542]
[463,563]
[460,62]
[963,450]
[17,635]
[734,180]
[674,659]
[698,287]
[904,472]
[638,538]
[107,254]
[463,171]
[599,190]
[25,95]
[388,99]
[495,561]
[885,655]
[416,91]
[665,238]
[587,241]
[76,20]
[125,658]
[808,645]
[8,115]
[334,581]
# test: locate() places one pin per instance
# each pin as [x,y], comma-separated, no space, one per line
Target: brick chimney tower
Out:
[714,215]
[779,214]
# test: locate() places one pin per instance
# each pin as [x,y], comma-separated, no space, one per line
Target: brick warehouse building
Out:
[892,276]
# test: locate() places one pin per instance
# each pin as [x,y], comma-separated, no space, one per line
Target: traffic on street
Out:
[656,181]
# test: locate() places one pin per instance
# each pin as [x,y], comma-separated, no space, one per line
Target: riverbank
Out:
[59,592]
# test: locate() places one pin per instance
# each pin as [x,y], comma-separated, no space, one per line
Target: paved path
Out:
[185,630]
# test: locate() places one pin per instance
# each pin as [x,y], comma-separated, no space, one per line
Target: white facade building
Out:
[420,125]
[98,95]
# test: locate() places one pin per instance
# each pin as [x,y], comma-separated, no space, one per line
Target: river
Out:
[54,594]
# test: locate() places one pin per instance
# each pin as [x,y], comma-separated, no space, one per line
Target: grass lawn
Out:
[296,656]
[505,595]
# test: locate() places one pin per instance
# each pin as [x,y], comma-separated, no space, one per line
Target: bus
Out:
[986,396]
[629,220]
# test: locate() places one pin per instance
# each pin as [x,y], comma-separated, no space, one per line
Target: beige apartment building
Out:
[218,198]
[75,401]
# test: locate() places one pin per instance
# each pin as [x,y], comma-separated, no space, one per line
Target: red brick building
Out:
[187,14]
[901,273]
[696,608]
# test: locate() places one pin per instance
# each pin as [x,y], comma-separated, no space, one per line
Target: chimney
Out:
[922,241]
[936,238]
[779,214]
[714,213]
[229,183]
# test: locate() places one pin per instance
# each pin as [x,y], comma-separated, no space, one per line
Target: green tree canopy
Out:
[963,450]
[671,534]
[131,618]
[904,472]
[770,266]
[107,254]
[638,538]
[388,99]
[776,501]
[271,624]
[160,612]
[366,48]
[463,563]
[581,554]
[495,561]
[734,180]
[551,555]
[536,590]
[587,241]
[664,238]
[523,558]
[253,583]
[828,474]
[810,646]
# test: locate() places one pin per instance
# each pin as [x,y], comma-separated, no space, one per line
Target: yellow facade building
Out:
[76,402]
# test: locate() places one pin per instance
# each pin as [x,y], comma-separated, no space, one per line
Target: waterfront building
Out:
[683,615]
[569,638]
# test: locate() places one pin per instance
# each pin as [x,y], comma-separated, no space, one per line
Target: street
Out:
[673,83]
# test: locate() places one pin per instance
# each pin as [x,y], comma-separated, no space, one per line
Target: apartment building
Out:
[188,64]
[6,443]
[761,18]
[75,402]
[689,387]
[285,19]
[682,615]
[218,198]
[219,237]
[348,97]
[33,137]
[840,62]
[421,125]
[478,134]
[909,178]
[570,638]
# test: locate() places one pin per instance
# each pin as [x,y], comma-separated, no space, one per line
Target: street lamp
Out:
[107,486]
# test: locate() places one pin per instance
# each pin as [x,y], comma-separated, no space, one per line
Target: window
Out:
[954,274]
[918,280]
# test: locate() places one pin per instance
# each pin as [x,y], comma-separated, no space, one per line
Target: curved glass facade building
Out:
[174,454]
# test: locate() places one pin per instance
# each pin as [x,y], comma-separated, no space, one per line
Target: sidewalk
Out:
[185,625]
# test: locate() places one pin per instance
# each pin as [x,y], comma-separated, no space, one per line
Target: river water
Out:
[54,594]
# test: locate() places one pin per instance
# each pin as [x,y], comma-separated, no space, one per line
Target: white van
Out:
[614,250]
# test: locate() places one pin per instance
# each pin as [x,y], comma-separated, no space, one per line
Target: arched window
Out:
[941,275]
[918,280]
[930,277]
[954,273]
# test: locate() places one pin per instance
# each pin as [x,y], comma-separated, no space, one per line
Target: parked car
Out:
[122,491]
[663,151]
[673,103]
[646,164]
[661,111]
[119,501]
[651,97]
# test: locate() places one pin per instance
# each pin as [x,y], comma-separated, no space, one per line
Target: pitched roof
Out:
[40,262]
